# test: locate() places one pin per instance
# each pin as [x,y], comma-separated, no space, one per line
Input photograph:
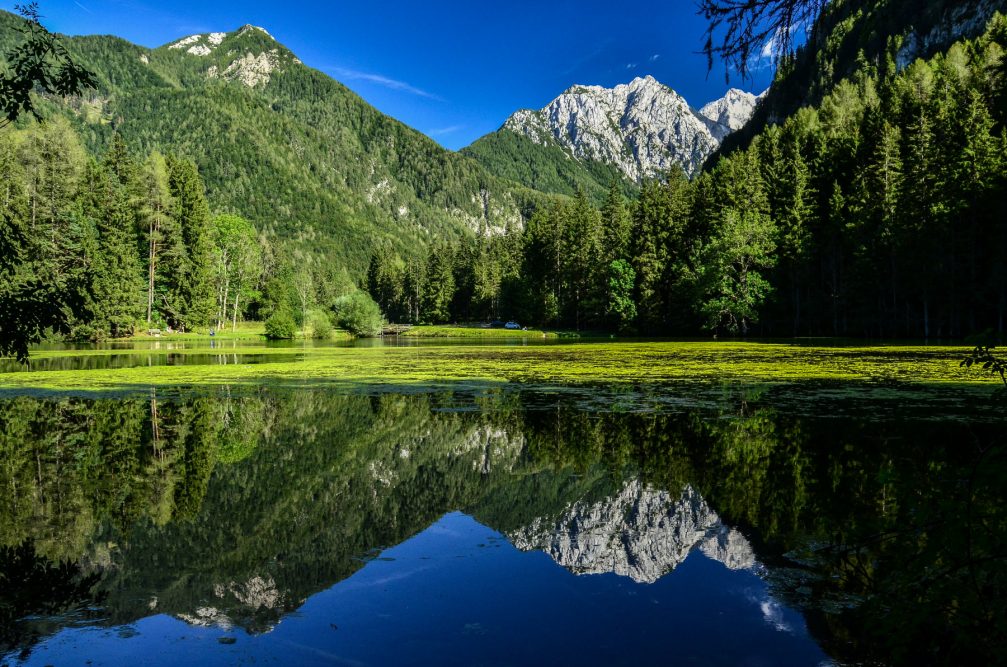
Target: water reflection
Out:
[638,532]
[228,511]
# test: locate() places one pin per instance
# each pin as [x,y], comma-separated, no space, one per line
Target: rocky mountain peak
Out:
[643,127]
[248,55]
[732,110]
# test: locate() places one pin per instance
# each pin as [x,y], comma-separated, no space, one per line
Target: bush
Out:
[321,325]
[280,326]
[359,314]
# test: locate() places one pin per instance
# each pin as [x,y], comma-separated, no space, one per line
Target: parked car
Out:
[512,325]
[496,324]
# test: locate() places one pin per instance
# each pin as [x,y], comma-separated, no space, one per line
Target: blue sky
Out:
[453,69]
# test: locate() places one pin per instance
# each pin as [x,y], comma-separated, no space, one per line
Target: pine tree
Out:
[616,224]
[660,247]
[440,284]
[584,270]
[117,277]
[193,216]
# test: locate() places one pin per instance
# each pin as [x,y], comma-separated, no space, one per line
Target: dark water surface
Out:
[497,527]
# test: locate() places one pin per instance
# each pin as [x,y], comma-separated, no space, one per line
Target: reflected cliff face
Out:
[230,510]
[640,532]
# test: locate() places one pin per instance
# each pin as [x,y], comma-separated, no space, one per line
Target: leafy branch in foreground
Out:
[983,355]
[40,62]
[750,25]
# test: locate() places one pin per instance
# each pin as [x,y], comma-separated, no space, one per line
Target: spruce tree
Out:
[193,216]
[616,224]
[118,283]
[440,284]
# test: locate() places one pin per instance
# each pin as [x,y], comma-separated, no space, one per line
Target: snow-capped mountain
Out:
[642,127]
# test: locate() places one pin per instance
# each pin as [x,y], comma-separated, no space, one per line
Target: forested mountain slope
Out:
[288,147]
[852,34]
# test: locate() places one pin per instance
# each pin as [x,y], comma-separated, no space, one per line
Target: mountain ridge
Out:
[590,135]
[644,126]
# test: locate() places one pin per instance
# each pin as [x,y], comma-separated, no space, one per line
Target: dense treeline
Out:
[120,242]
[880,213]
[115,245]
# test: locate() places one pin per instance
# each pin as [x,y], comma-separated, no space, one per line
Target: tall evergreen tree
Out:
[440,284]
[195,285]
[616,224]
[118,282]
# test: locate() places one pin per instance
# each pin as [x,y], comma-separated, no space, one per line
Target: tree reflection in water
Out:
[234,507]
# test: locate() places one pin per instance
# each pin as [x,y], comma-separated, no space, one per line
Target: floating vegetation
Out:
[590,364]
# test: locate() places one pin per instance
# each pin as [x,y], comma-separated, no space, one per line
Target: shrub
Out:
[280,325]
[321,324]
[359,314]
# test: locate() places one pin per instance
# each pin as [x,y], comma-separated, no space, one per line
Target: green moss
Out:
[607,364]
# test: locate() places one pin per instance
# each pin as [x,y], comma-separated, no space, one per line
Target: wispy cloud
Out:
[769,48]
[630,65]
[440,131]
[393,84]
[654,57]
[82,7]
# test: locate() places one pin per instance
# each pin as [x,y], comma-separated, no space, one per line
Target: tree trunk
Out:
[926,318]
[151,270]
[227,295]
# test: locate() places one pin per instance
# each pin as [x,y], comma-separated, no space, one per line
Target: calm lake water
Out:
[500,526]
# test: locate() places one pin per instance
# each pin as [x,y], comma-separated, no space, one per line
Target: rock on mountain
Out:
[249,55]
[643,127]
[731,111]
[639,532]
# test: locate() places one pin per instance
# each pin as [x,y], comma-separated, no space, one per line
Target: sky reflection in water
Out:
[460,594]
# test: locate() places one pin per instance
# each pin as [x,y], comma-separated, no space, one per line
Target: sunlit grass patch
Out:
[448,331]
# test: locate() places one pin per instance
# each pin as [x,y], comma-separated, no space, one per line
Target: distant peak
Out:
[248,27]
[646,81]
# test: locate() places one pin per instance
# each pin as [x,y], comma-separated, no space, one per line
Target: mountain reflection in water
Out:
[311,526]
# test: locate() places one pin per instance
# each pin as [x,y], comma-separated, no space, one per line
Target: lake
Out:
[591,504]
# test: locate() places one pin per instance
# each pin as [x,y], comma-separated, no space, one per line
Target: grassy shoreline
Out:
[458,331]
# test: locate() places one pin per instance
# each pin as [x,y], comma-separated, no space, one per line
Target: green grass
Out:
[579,364]
[447,331]
[244,331]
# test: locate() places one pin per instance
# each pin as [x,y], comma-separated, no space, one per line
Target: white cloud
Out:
[381,80]
[655,57]
[630,65]
[772,613]
[769,48]
[451,129]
